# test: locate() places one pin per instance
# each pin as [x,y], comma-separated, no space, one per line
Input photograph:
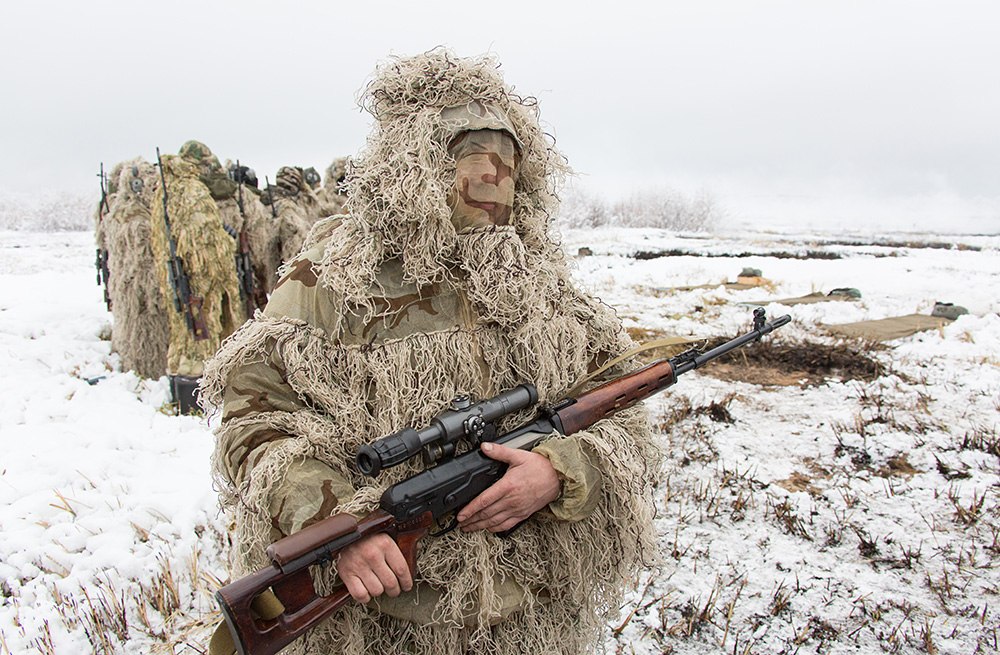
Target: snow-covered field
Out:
[853,515]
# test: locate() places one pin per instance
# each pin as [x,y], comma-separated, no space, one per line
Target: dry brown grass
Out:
[783,363]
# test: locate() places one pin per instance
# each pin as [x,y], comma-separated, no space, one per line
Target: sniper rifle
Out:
[186,304]
[271,199]
[252,295]
[409,508]
[101,261]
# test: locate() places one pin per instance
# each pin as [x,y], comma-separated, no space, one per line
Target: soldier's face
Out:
[486,163]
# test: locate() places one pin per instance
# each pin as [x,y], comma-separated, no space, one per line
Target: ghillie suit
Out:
[208,255]
[391,312]
[243,215]
[140,333]
[331,194]
[227,193]
[296,210]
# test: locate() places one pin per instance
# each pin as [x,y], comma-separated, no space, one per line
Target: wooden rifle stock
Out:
[288,577]
[590,407]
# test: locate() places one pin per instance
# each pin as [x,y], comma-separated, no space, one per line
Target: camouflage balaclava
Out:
[486,169]
[210,171]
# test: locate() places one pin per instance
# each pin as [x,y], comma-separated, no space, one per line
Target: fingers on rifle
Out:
[400,569]
[356,586]
[502,453]
[482,506]
[506,524]
[375,567]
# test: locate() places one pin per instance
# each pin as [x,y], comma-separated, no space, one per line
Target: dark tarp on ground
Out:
[801,300]
[887,329]
[736,286]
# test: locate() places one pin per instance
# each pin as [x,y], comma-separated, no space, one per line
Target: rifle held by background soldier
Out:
[101,262]
[186,304]
[409,509]
[253,295]
[271,200]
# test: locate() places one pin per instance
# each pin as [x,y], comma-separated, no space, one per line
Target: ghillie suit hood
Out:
[210,171]
[387,315]
[398,190]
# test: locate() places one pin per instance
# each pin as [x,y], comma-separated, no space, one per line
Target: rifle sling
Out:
[647,346]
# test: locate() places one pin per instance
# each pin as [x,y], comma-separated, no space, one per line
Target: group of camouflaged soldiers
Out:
[188,249]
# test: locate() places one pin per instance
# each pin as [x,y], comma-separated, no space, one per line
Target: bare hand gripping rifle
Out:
[409,508]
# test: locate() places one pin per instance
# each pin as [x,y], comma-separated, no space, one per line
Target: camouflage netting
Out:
[208,254]
[140,333]
[528,325]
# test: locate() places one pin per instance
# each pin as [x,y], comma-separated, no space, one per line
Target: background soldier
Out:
[295,209]
[203,253]
[332,194]
[140,332]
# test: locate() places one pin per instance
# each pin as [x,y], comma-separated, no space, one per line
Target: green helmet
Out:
[199,154]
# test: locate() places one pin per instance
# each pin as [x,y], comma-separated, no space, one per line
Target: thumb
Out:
[502,453]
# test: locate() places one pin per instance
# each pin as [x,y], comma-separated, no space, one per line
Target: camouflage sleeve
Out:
[574,462]
[309,493]
[310,490]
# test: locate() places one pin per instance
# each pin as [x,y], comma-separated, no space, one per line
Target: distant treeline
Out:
[663,209]
[659,208]
[47,212]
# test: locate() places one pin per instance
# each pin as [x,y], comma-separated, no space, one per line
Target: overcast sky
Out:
[763,103]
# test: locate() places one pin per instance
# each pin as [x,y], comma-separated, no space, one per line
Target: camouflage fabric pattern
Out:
[486,163]
[478,115]
[208,255]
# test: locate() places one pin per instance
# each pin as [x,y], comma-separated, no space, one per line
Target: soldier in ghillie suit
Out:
[440,279]
[331,194]
[234,190]
[140,332]
[207,255]
[295,209]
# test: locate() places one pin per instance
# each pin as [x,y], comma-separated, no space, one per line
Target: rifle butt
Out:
[303,609]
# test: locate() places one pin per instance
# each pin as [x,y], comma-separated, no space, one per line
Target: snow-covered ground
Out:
[848,516]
